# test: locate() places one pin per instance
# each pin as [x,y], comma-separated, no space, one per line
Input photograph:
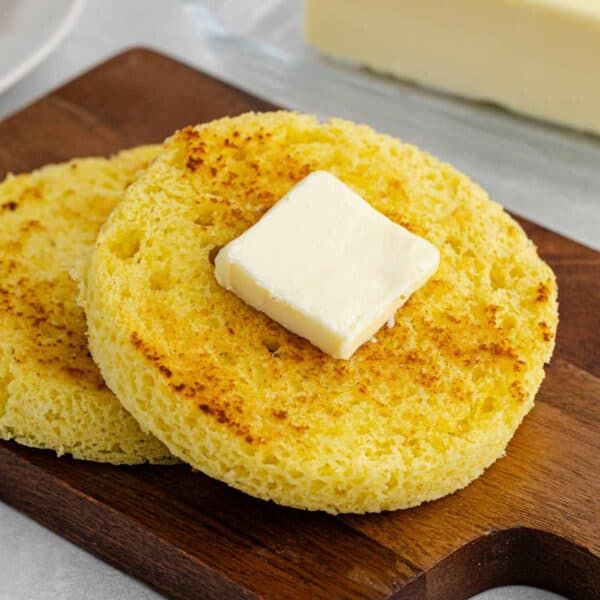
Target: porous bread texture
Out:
[417,415]
[51,392]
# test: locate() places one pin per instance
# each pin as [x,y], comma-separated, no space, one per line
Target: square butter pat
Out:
[326,265]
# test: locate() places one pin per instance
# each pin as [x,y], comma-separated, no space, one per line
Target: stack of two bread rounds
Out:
[417,415]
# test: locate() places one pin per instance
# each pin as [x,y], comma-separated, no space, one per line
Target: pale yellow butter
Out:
[539,57]
[326,265]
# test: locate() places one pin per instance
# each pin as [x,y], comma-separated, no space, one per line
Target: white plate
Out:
[29,31]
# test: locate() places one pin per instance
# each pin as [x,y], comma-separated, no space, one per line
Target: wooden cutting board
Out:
[533,518]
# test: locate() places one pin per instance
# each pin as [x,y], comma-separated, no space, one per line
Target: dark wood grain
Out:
[534,517]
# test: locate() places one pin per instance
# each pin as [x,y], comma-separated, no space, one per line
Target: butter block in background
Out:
[538,57]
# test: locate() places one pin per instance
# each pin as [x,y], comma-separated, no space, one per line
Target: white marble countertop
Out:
[35,564]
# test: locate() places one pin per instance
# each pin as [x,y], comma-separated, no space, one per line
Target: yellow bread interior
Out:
[413,417]
[51,392]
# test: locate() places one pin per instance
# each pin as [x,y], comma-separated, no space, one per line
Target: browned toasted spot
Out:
[411,358]
[280,414]
[151,355]
[427,379]
[543,292]
[224,414]
[190,389]
[193,162]
[519,366]
[10,206]
[31,226]
[491,314]
[74,371]
[165,370]
[300,428]
[517,391]
[500,349]
[195,148]
[407,225]
[547,334]
[302,171]
[188,133]
[212,410]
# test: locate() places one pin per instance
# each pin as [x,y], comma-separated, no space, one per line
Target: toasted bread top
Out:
[412,417]
[51,393]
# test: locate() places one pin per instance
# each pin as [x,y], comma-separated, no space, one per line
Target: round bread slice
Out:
[51,392]
[413,417]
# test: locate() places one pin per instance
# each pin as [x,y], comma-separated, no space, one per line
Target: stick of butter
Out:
[539,57]
[326,265]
